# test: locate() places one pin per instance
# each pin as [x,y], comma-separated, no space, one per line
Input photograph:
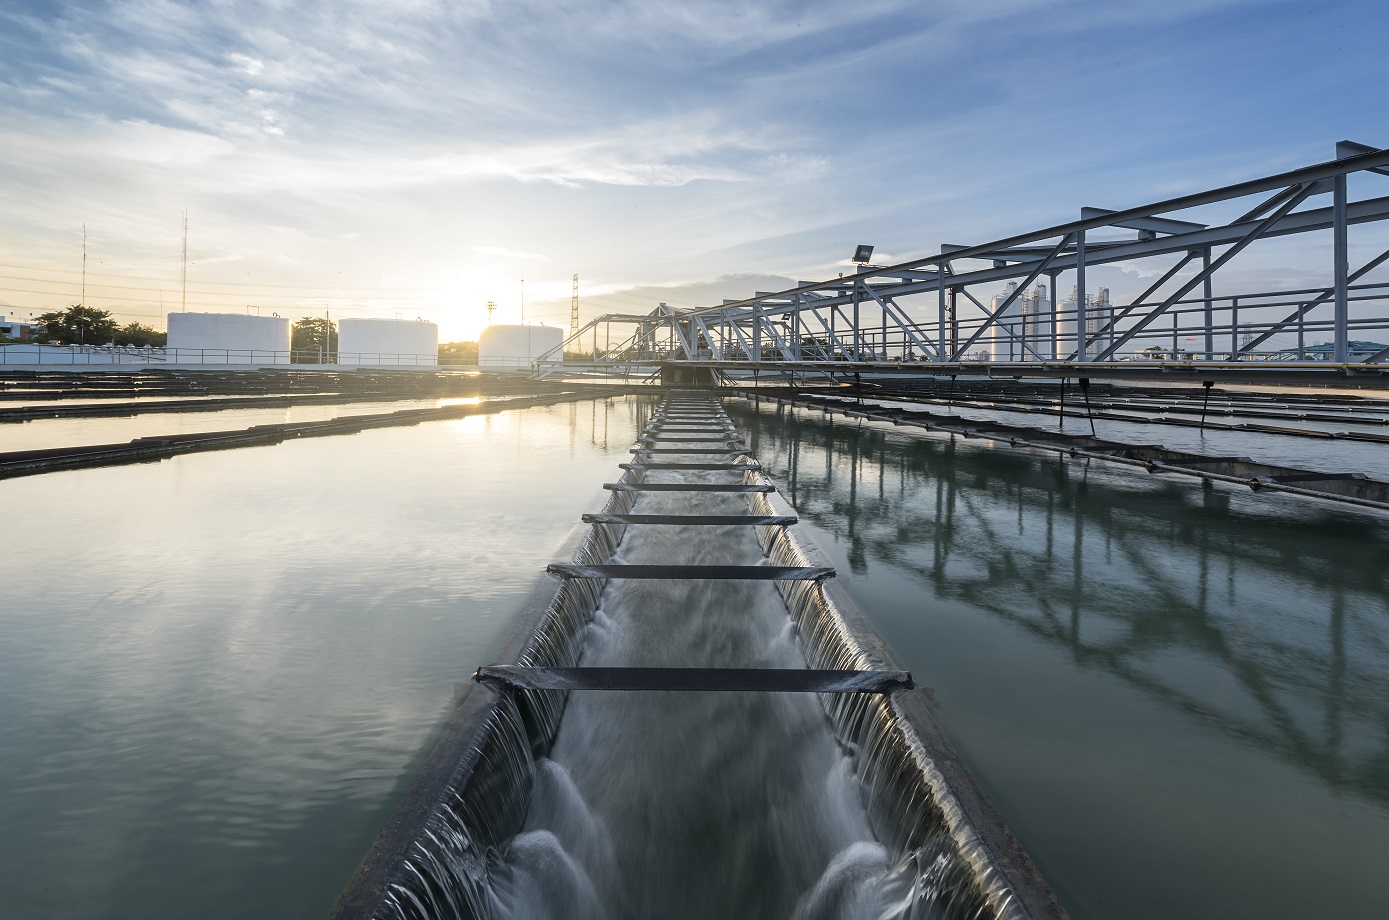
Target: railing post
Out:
[1234,328]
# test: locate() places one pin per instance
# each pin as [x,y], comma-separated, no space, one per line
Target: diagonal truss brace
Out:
[1137,302]
[1008,301]
[891,309]
[1299,196]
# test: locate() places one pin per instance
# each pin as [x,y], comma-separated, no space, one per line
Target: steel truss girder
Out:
[1065,248]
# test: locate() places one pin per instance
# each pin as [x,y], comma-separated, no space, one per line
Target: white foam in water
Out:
[851,888]
[544,882]
[555,796]
[662,804]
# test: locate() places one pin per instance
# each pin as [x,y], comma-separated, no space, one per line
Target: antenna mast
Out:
[183,275]
[574,309]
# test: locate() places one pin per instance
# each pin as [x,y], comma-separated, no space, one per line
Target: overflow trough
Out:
[440,853]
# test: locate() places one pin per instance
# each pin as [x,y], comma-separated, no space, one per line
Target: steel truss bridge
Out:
[956,312]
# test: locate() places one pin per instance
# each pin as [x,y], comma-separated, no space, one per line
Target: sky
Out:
[419,158]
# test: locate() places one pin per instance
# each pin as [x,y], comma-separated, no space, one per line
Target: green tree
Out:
[141,336]
[77,325]
[458,352]
[314,340]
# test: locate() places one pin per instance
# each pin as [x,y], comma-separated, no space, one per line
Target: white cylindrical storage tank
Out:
[517,347]
[388,341]
[227,338]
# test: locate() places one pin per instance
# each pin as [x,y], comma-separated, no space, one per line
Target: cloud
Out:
[630,141]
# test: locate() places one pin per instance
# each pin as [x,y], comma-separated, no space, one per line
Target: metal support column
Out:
[1339,245]
[1082,327]
[1055,318]
[1209,307]
[942,353]
[858,328]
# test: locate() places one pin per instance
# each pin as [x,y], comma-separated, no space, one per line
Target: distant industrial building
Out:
[15,329]
[1028,319]
[230,338]
[388,341]
[1099,311]
[516,347]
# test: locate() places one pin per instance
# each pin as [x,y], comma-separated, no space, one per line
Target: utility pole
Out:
[574,309]
[84,265]
[523,301]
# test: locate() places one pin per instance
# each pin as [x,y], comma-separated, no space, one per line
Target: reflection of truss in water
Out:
[1310,661]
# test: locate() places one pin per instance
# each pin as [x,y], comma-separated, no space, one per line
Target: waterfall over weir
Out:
[624,804]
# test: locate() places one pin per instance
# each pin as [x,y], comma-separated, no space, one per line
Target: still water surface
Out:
[80,432]
[217,672]
[1178,697]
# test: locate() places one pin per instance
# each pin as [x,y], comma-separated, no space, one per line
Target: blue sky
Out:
[421,158]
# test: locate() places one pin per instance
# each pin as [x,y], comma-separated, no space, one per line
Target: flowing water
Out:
[691,804]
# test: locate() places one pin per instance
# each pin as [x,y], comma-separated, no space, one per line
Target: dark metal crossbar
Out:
[721,572]
[709,439]
[690,429]
[692,519]
[686,487]
[742,680]
[730,467]
[689,450]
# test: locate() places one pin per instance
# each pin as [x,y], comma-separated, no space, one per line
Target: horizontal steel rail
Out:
[695,572]
[737,680]
[693,520]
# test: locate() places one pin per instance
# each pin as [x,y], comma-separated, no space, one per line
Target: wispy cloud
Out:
[631,141]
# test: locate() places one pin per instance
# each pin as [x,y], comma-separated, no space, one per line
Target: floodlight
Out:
[863,253]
